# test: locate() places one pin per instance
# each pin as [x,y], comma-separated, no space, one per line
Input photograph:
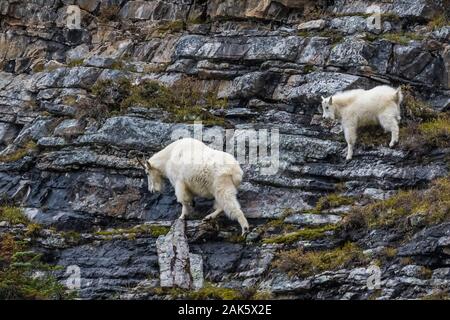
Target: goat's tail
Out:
[398,97]
[226,198]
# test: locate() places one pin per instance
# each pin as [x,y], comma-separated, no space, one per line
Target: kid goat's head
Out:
[154,177]
[328,109]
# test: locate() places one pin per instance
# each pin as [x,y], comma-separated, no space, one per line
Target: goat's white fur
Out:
[357,108]
[195,169]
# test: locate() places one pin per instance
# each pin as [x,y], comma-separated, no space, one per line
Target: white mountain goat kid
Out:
[357,108]
[194,169]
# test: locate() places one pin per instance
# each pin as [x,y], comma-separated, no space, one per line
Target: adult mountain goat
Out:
[194,169]
[357,108]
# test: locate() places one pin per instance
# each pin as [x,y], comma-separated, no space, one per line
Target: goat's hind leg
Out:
[215,214]
[226,199]
[390,124]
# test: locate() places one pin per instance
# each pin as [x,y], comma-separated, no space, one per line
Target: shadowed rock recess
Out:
[78,105]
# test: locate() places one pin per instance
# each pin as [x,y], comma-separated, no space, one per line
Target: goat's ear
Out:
[323,98]
[331,101]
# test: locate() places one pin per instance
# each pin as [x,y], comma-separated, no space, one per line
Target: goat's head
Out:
[154,176]
[328,108]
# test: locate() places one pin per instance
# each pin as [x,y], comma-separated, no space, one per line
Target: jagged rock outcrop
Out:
[178,268]
[67,153]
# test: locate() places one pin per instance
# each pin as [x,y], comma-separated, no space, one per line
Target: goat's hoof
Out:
[245,232]
[207,219]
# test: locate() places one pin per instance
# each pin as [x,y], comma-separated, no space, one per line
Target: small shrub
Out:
[303,234]
[13,215]
[38,67]
[303,264]
[33,230]
[332,201]
[209,292]
[438,295]
[17,279]
[171,27]
[415,109]
[20,153]
[438,22]
[75,63]
[184,100]
[154,231]
[424,137]
[432,204]
[402,38]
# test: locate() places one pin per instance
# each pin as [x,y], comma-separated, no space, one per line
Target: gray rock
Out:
[177,267]
[313,219]
[312,25]
[69,128]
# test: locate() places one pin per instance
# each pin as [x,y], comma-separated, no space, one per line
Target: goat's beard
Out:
[154,184]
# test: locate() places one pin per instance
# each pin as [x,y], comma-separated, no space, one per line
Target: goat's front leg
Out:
[186,210]
[185,198]
[350,137]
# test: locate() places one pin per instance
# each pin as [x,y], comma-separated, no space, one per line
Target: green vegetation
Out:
[33,230]
[261,295]
[17,274]
[184,100]
[75,63]
[217,293]
[438,22]
[154,231]
[331,201]
[416,109]
[402,38]
[439,295]
[437,132]
[171,27]
[208,292]
[303,234]
[300,263]
[71,236]
[431,206]
[333,35]
[20,153]
[13,215]
[69,100]
[38,67]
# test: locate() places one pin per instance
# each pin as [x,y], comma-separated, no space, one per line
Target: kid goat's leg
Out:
[185,198]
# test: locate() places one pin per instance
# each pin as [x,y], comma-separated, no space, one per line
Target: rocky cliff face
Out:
[72,122]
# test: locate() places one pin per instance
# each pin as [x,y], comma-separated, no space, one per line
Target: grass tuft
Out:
[13,215]
[297,262]
[20,153]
